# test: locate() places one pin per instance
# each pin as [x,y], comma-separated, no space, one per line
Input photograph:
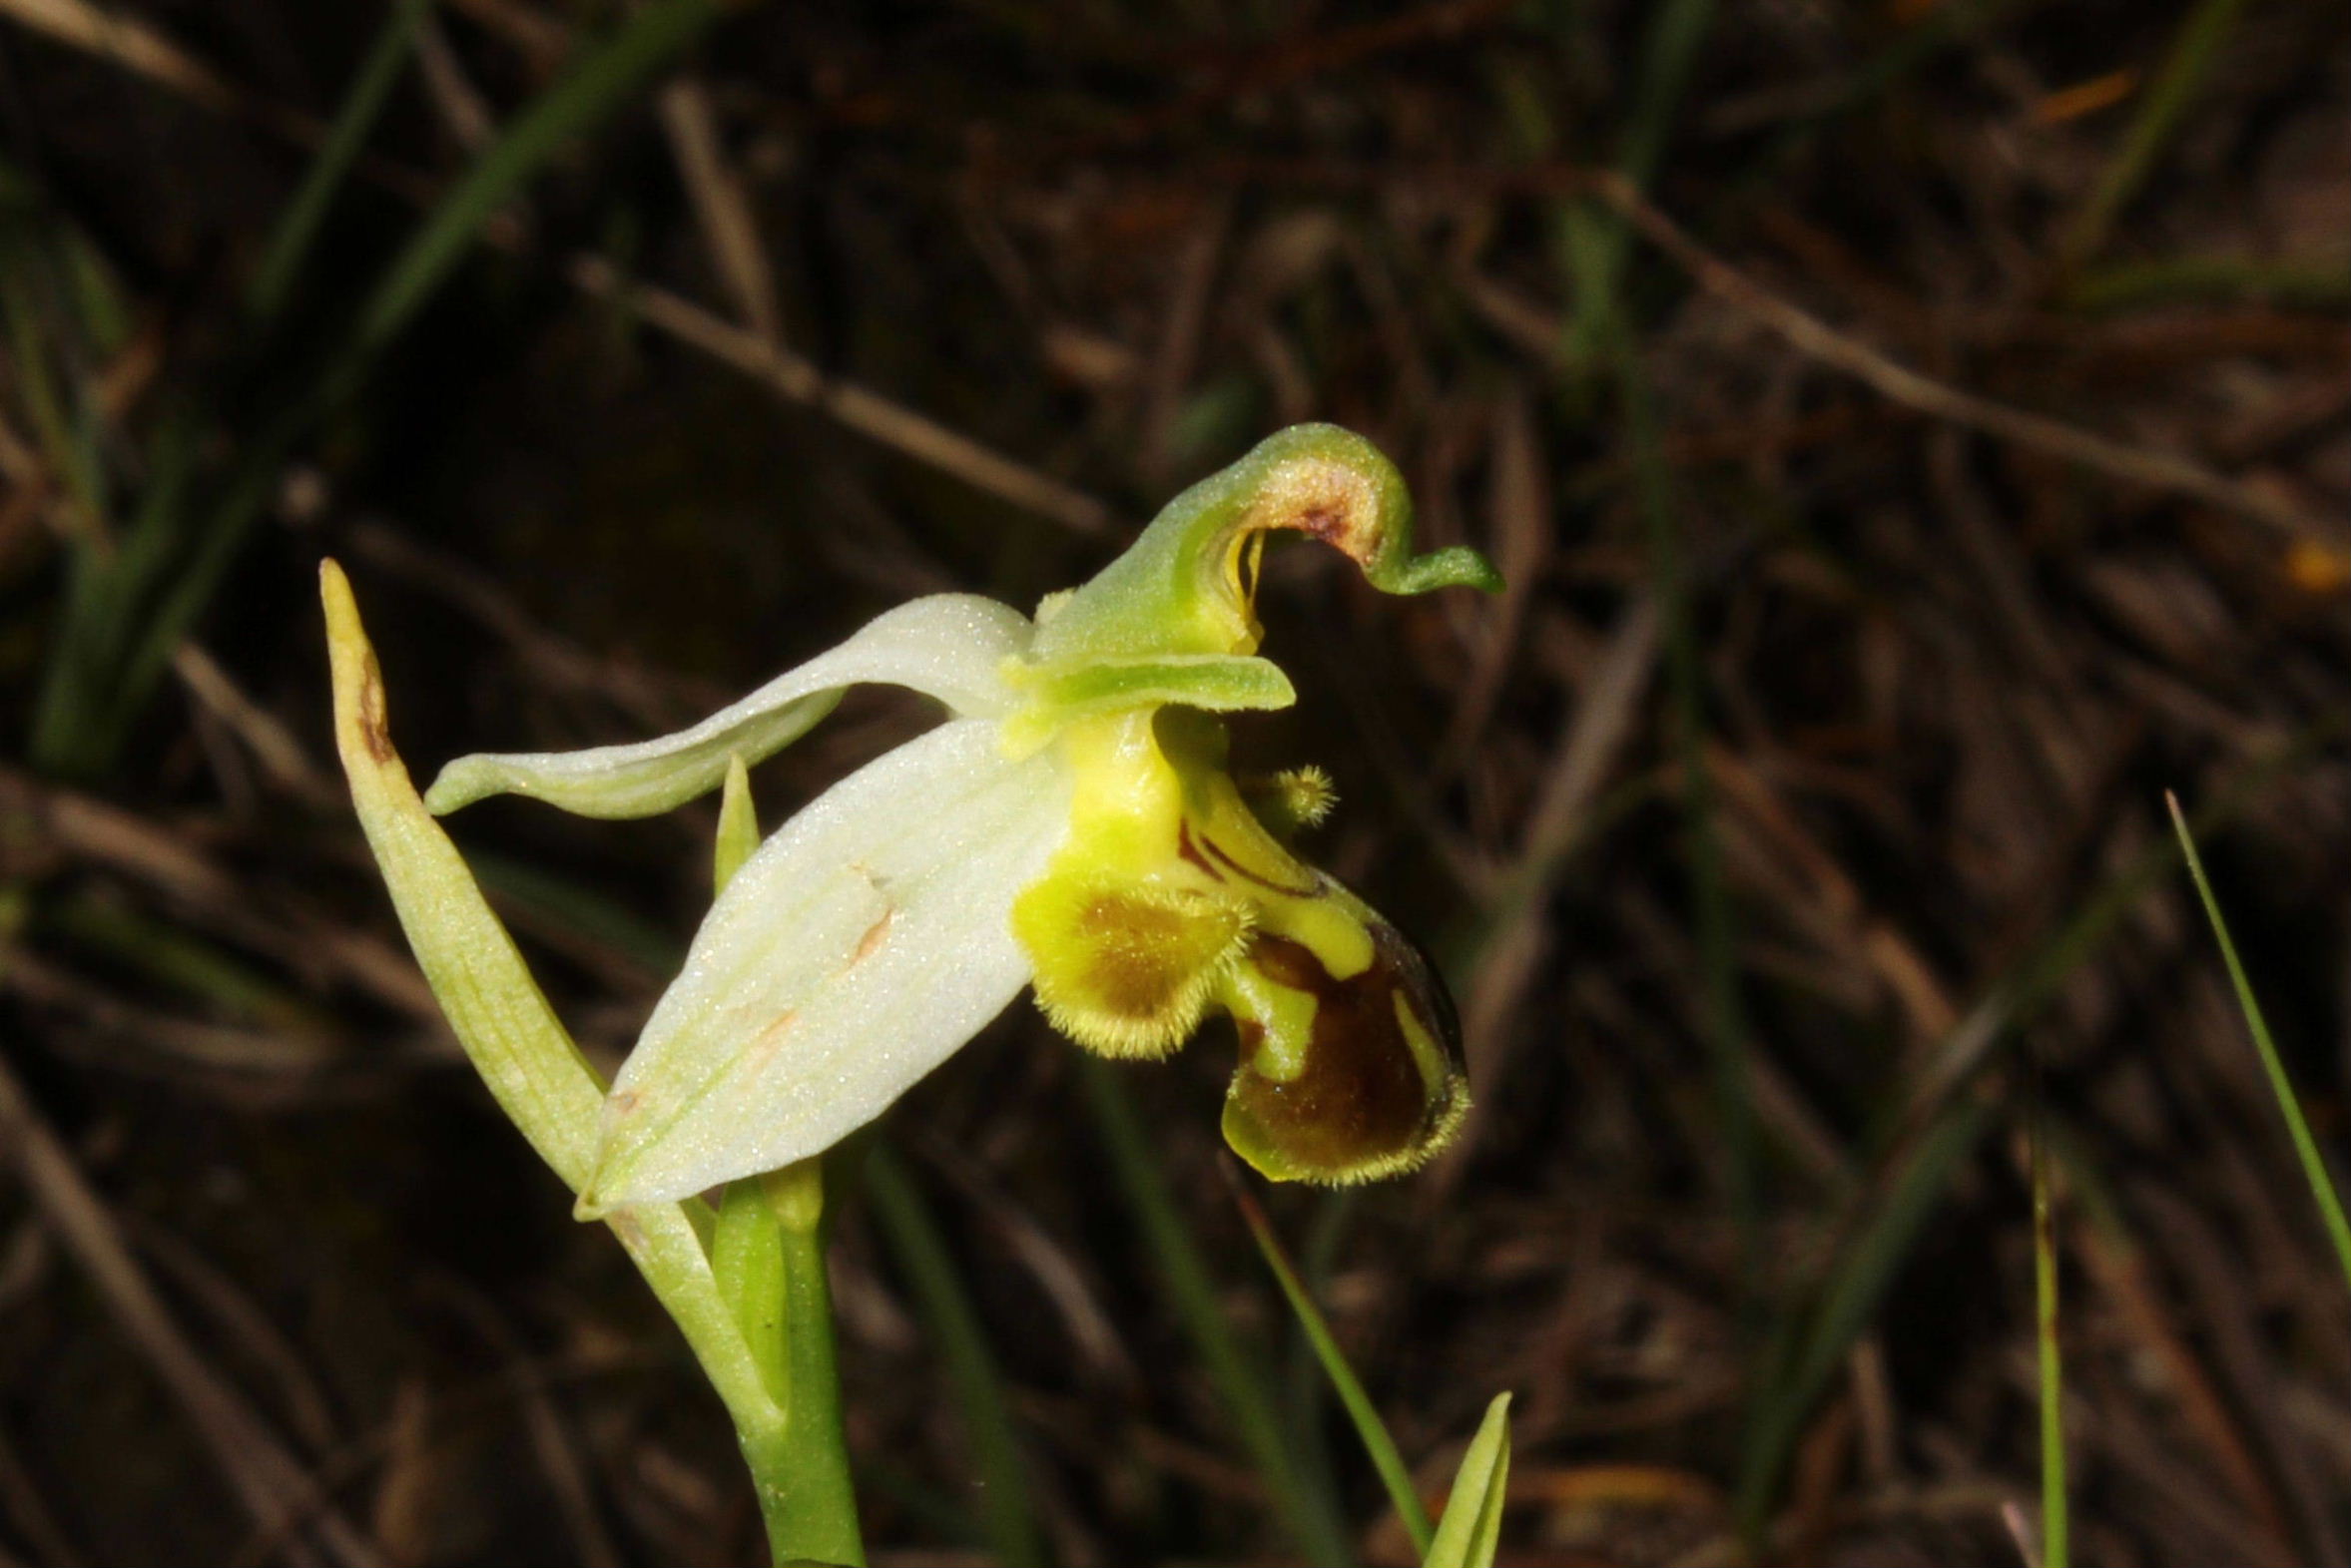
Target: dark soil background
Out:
[1918,435]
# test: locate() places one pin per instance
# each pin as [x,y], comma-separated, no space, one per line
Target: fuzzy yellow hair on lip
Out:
[1127,970]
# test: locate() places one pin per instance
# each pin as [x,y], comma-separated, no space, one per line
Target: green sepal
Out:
[1187,585]
[523,1052]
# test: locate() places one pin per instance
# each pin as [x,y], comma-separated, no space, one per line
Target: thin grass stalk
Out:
[1849,1298]
[298,228]
[2201,38]
[1594,239]
[2056,1552]
[1308,1515]
[1726,1030]
[1361,1412]
[2289,1105]
[1006,1515]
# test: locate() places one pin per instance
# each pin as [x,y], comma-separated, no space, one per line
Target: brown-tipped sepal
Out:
[1342,1080]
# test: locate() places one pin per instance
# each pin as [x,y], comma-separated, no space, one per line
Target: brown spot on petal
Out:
[374,731]
[625,1102]
[869,943]
[763,1047]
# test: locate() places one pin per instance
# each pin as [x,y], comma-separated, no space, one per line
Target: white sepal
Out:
[864,942]
[948,645]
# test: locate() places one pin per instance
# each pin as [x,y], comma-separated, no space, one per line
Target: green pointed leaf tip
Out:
[1469,1533]
[1188,585]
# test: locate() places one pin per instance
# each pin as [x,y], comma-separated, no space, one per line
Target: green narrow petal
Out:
[952,646]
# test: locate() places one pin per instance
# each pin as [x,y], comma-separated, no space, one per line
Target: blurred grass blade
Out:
[1945,27]
[305,213]
[596,86]
[1001,1469]
[1308,1514]
[1594,239]
[1724,1018]
[1862,1274]
[2201,38]
[1360,1410]
[158,602]
[72,721]
[2322,1186]
[2055,1551]
[1949,1121]
[2307,284]
[1472,1530]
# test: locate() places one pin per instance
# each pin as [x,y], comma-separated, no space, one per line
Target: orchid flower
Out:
[1072,826]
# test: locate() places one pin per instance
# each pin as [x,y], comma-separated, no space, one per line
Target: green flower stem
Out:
[747,1258]
[769,1255]
[800,1466]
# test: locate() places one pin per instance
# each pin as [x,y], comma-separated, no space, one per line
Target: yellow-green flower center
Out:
[1171,897]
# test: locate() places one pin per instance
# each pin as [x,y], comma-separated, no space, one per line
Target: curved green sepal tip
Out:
[1456,566]
[1189,583]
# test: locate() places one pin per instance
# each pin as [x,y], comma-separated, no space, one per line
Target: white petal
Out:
[949,645]
[867,939]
